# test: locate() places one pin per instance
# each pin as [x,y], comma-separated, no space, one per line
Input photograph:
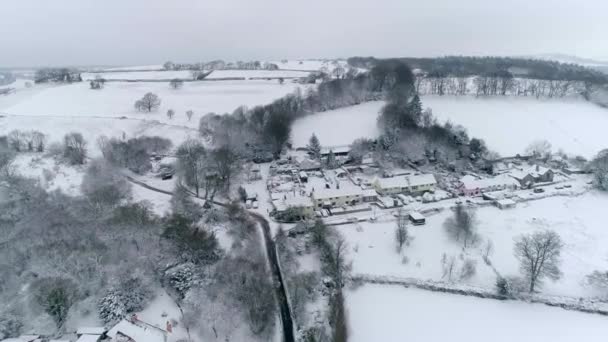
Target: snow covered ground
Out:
[311,64]
[138,75]
[52,174]
[256,73]
[578,220]
[395,314]
[118,98]
[338,127]
[576,126]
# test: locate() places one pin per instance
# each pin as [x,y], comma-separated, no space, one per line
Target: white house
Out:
[337,197]
[472,186]
[416,184]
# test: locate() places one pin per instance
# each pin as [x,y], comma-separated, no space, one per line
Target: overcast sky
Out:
[130,32]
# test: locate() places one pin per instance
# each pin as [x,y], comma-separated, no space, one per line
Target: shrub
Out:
[10,326]
[129,295]
[56,296]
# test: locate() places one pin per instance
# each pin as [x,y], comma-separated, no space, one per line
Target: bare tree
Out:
[462,225]
[176,83]
[401,233]
[148,103]
[170,114]
[189,114]
[74,148]
[539,256]
[599,165]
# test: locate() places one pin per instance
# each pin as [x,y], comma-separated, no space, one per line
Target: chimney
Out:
[537,168]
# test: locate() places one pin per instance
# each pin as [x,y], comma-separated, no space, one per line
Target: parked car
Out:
[568,186]
[538,190]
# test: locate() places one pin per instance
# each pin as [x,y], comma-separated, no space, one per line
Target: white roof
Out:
[342,192]
[506,201]
[88,338]
[335,149]
[406,181]
[136,332]
[470,182]
[370,192]
[416,215]
[425,179]
[91,330]
[292,201]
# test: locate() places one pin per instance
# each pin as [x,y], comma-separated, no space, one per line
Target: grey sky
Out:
[80,32]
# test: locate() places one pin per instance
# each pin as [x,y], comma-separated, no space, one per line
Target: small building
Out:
[309,165]
[303,177]
[505,203]
[416,218]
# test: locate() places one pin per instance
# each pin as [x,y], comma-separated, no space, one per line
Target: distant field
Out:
[117,99]
[397,314]
[138,75]
[338,127]
[508,125]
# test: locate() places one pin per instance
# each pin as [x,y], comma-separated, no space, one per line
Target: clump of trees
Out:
[133,154]
[599,166]
[462,226]
[56,296]
[26,141]
[332,247]
[104,186]
[210,170]
[127,295]
[149,103]
[62,75]
[75,148]
[176,83]
[539,256]
[98,83]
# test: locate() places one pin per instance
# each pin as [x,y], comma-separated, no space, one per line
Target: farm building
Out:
[417,184]
[472,186]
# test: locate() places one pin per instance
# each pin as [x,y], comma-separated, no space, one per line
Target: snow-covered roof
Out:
[416,215]
[91,330]
[370,193]
[470,182]
[424,179]
[406,181]
[322,194]
[88,338]
[292,201]
[392,182]
[138,333]
[505,202]
[335,149]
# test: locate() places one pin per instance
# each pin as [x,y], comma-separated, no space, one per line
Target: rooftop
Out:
[321,194]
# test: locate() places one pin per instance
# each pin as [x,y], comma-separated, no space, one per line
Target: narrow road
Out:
[271,254]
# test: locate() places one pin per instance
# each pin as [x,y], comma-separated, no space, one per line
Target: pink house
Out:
[472,186]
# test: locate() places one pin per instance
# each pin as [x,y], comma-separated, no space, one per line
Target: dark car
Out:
[539,190]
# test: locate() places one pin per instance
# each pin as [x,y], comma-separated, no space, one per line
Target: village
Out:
[302,188]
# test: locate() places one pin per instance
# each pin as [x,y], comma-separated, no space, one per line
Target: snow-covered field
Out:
[396,314]
[508,125]
[118,98]
[338,127]
[138,75]
[311,64]
[578,220]
[256,73]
